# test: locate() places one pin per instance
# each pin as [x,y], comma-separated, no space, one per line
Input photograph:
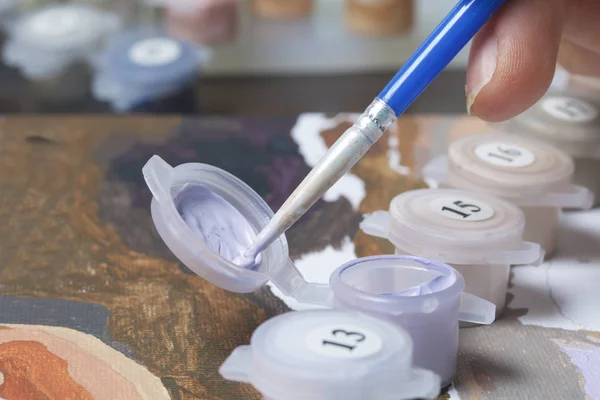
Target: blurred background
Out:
[215,56]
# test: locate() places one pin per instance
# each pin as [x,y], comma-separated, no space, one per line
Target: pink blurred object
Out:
[210,22]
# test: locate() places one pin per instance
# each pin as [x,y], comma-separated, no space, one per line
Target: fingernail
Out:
[482,65]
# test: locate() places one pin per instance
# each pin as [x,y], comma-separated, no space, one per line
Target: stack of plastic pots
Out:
[570,121]
[531,174]
[479,235]
[422,296]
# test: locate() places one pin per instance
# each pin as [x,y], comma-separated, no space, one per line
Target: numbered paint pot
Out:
[45,42]
[532,174]
[479,235]
[330,355]
[210,22]
[379,17]
[570,123]
[422,296]
[282,9]
[575,85]
[144,66]
[208,217]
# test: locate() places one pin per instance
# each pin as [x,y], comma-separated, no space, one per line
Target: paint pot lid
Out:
[167,184]
[44,42]
[396,285]
[507,165]
[455,226]
[67,27]
[329,354]
[149,57]
[571,123]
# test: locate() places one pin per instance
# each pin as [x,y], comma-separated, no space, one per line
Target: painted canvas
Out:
[94,306]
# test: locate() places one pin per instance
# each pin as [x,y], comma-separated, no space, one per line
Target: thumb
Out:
[513,58]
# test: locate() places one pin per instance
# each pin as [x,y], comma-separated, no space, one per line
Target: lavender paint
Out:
[216,222]
[587,361]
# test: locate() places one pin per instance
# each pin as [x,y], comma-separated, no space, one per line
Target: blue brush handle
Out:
[438,50]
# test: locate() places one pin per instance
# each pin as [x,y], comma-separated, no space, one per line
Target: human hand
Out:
[513,58]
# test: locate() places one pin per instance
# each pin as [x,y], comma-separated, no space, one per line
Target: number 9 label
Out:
[505,154]
[462,209]
[343,341]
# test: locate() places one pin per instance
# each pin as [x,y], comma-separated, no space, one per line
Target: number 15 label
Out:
[462,209]
[343,341]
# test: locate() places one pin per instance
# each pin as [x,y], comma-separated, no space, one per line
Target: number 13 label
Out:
[343,341]
[462,209]
[505,154]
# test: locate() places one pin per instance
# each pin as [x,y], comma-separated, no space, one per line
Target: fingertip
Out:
[527,35]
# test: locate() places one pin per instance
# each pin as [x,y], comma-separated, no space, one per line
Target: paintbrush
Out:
[438,50]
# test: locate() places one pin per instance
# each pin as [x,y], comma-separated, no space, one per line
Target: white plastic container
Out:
[479,235]
[570,122]
[330,355]
[529,173]
[145,65]
[432,302]
[46,41]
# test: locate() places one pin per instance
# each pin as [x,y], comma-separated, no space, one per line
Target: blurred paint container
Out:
[568,117]
[144,68]
[282,9]
[210,22]
[44,43]
[126,9]
[379,17]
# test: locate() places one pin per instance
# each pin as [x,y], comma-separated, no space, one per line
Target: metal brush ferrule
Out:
[375,120]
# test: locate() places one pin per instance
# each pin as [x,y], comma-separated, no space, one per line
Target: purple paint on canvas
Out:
[588,363]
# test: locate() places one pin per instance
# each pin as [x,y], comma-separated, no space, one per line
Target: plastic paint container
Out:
[434,301]
[529,173]
[478,235]
[282,9]
[330,355]
[45,42]
[571,123]
[379,17]
[575,85]
[210,22]
[143,66]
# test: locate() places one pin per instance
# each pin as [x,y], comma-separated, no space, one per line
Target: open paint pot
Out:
[45,42]
[531,174]
[144,66]
[478,235]
[207,217]
[571,123]
[328,354]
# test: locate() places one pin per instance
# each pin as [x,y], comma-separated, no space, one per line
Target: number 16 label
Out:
[505,154]
[343,341]
[462,209]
